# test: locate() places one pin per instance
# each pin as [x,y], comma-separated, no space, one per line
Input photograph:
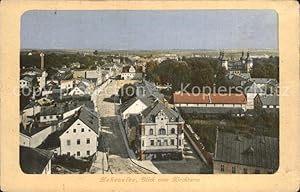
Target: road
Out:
[118,159]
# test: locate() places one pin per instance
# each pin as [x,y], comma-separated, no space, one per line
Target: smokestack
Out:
[42,60]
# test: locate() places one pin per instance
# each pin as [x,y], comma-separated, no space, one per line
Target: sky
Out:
[150,30]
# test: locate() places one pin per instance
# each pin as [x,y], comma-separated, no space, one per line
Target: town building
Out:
[135,105]
[262,102]
[33,135]
[77,136]
[130,72]
[211,102]
[63,109]
[251,90]
[243,65]
[236,80]
[160,133]
[35,161]
[245,154]
[27,82]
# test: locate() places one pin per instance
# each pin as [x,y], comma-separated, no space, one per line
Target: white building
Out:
[135,105]
[77,137]
[34,135]
[160,134]
[129,72]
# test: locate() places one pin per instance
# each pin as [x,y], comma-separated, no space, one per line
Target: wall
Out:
[83,147]
[239,168]
[161,121]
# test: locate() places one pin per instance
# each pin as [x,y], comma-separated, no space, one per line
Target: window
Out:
[152,142]
[222,168]
[161,131]
[87,152]
[143,143]
[78,141]
[88,141]
[172,142]
[166,142]
[68,142]
[44,117]
[67,131]
[82,129]
[245,171]
[179,142]
[51,116]
[162,118]
[78,153]
[68,153]
[158,143]
[74,130]
[151,132]
[172,131]
[233,170]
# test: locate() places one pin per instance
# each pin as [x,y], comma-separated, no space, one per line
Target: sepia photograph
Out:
[149,92]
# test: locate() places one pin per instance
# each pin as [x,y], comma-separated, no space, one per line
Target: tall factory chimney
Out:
[42,60]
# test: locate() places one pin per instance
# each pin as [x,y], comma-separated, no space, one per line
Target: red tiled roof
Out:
[228,98]
[188,98]
[214,98]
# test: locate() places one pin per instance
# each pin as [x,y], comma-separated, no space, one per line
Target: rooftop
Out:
[34,160]
[254,151]
[213,98]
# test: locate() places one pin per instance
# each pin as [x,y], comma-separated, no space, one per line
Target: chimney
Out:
[42,60]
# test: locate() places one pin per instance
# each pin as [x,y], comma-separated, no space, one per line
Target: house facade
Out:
[160,134]
[77,136]
[211,100]
[129,72]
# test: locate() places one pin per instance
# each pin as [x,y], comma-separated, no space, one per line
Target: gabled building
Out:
[160,133]
[251,90]
[34,134]
[78,136]
[262,102]
[243,65]
[135,105]
[210,100]
[130,72]
[35,161]
[61,110]
[245,154]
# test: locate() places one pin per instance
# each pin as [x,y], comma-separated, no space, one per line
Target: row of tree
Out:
[194,71]
[265,68]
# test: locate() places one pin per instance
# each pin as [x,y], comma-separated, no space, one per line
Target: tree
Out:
[95,52]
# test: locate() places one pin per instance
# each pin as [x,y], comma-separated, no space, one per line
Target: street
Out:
[112,139]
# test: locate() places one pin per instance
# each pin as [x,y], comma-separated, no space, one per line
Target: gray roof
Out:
[264,80]
[28,78]
[62,107]
[87,116]
[211,110]
[269,99]
[251,87]
[150,112]
[34,160]
[254,151]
